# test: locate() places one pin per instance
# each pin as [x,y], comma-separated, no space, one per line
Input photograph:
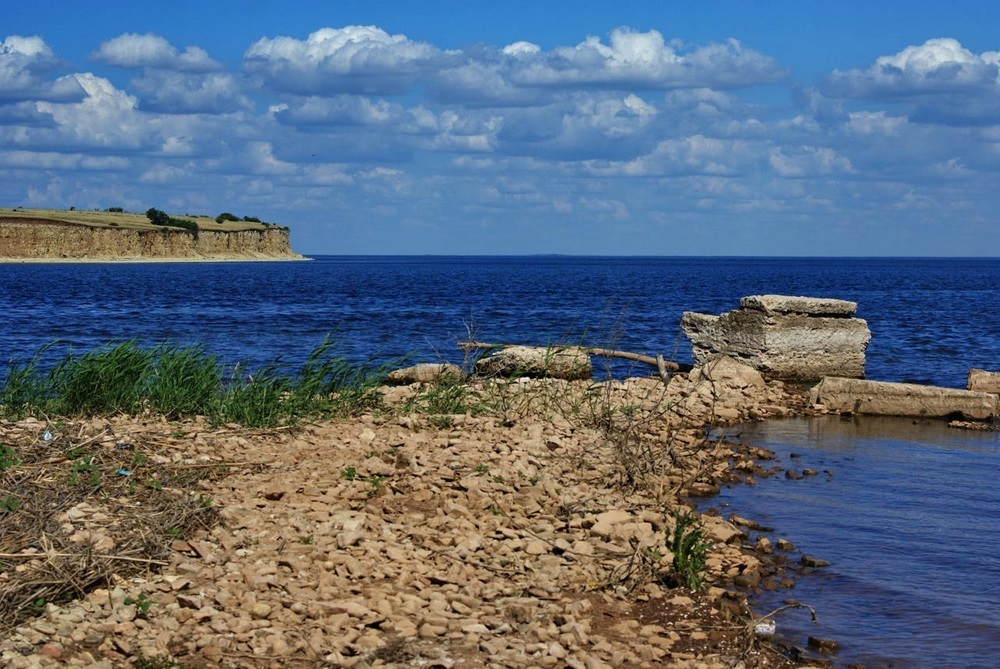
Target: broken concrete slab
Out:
[793,304]
[982,381]
[784,337]
[883,398]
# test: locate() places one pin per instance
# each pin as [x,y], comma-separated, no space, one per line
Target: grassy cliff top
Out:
[131,220]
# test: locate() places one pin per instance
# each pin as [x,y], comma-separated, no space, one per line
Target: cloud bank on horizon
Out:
[633,142]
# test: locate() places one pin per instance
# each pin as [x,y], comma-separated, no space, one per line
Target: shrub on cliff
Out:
[226,216]
[157,217]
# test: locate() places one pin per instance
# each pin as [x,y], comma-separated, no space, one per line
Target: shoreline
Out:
[106,261]
[529,536]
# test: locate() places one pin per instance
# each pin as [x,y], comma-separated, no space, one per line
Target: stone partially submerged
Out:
[784,337]
[982,381]
[552,362]
[882,398]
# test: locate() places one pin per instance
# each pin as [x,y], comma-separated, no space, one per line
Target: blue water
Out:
[908,519]
[931,320]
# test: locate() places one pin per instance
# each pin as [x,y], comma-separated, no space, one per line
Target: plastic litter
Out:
[124,472]
[765,628]
[47,436]
[122,446]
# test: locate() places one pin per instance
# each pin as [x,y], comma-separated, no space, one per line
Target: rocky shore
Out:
[516,523]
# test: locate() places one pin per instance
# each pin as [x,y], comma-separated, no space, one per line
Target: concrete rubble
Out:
[983,381]
[785,337]
[904,399]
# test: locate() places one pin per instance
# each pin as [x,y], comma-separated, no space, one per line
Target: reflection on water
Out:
[907,516]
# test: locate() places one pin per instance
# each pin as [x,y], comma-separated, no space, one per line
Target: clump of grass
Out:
[178,381]
[689,548]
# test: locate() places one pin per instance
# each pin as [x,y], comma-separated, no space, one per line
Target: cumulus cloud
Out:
[152,51]
[645,60]
[353,59]
[807,161]
[181,93]
[945,82]
[24,62]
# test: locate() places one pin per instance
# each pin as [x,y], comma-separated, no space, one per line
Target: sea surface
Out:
[897,493]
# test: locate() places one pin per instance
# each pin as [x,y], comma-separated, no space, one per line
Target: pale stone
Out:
[983,381]
[903,399]
[785,304]
[424,373]
[531,361]
[793,344]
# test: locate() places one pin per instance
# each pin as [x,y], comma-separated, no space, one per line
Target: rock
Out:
[882,398]
[726,373]
[824,645]
[424,373]
[982,381]
[784,337]
[551,362]
[607,523]
[260,611]
[785,545]
[815,563]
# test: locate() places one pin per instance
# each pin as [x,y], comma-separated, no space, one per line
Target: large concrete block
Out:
[982,381]
[882,398]
[784,337]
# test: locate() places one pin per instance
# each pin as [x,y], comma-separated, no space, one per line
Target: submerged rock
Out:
[784,337]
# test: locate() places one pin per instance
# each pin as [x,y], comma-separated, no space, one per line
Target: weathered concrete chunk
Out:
[794,338]
[424,373]
[904,399]
[791,304]
[984,382]
[553,362]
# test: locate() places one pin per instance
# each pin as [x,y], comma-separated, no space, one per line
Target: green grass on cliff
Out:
[129,220]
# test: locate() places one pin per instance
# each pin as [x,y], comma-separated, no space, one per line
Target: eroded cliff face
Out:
[37,239]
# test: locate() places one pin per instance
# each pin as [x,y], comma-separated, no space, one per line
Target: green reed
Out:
[183,381]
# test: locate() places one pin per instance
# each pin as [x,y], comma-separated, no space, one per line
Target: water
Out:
[908,521]
[931,320]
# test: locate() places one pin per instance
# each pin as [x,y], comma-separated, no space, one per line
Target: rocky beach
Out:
[504,523]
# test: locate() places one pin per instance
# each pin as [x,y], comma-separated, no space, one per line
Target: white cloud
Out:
[23,63]
[182,93]
[808,161]
[152,51]
[353,59]
[945,82]
[646,61]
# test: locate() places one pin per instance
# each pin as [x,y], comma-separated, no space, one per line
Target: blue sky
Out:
[612,128]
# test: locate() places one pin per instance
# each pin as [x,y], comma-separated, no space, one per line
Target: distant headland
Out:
[70,235]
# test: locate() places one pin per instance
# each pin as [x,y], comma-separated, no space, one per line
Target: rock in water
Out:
[784,337]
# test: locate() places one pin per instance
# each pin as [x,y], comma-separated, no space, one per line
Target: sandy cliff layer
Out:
[35,239]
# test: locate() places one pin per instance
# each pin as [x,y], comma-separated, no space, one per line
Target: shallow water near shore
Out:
[907,515]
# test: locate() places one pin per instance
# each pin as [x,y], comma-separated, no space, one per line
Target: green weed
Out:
[8,457]
[689,548]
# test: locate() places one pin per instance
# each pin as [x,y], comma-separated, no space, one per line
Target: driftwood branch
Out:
[664,367]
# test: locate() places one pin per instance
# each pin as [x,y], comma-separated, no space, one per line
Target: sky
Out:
[706,128]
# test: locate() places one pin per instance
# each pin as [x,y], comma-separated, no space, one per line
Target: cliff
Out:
[25,238]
